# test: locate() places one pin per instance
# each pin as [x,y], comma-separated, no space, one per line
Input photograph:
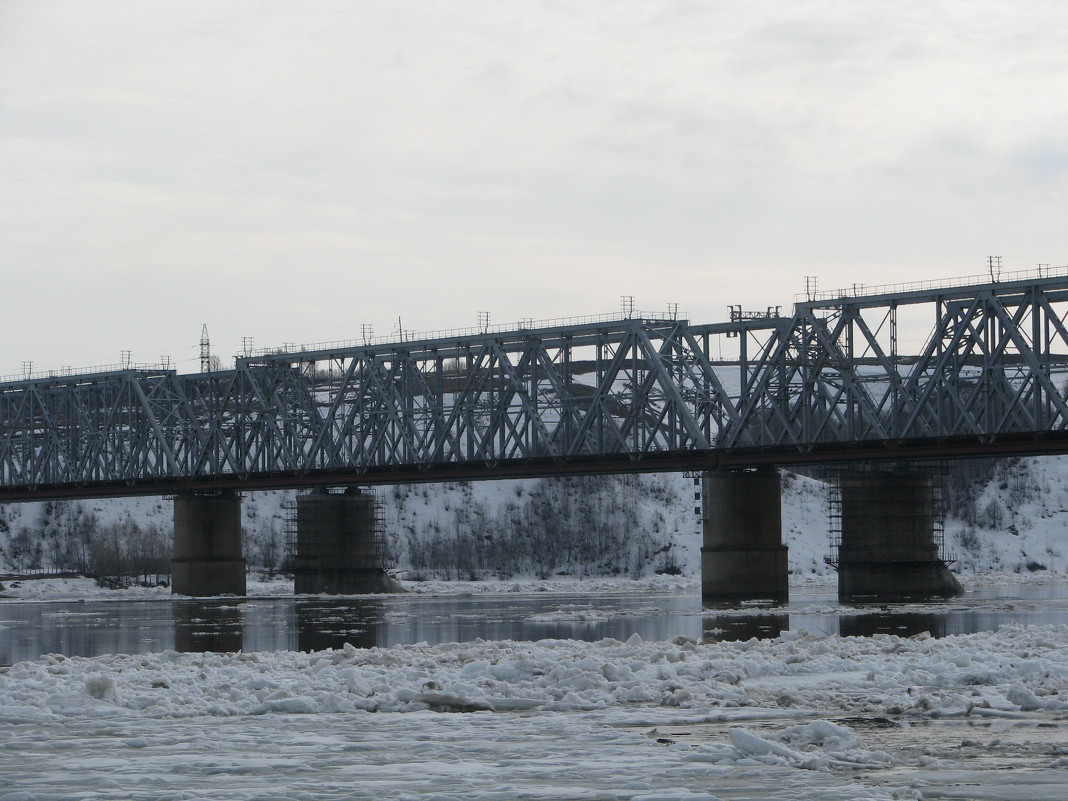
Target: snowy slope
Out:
[1018,521]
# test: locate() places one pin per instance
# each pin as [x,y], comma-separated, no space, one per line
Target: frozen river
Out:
[616,696]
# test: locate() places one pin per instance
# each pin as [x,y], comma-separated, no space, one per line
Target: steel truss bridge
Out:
[829,382]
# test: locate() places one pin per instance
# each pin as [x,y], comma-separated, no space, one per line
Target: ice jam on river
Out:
[801,716]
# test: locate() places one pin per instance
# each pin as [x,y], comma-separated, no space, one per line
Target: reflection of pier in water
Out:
[738,626]
[201,626]
[901,624]
[90,628]
[331,624]
[317,624]
[220,626]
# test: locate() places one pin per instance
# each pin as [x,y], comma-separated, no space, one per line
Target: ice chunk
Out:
[745,740]
[823,733]
[1026,699]
[100,686]
[450,702]
[292,706]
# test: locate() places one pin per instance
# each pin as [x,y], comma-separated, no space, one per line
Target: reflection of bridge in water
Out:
[266,624]
[825,384]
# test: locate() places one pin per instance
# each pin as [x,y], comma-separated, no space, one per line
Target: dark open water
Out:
[91,628]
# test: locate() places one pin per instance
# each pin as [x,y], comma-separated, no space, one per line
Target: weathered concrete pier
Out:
[207,557]
[339,546]
[743,557]
[887,549]
[884,525]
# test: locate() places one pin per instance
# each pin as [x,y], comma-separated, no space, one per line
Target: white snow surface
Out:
[547,719]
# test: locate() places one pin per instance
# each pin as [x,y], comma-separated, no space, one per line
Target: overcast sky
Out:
[291,170]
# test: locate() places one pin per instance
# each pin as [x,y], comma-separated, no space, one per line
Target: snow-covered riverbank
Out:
[62,589]
[46,589]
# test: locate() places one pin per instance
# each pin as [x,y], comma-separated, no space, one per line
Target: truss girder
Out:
[994,362]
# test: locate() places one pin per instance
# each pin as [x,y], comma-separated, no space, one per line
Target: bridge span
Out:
[829,382]
[825,383]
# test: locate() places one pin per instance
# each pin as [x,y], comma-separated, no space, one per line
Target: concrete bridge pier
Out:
[888,549]
[207,558]
[339,548]
[743,557]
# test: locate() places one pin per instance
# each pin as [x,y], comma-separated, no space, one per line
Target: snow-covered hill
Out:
[1006,516]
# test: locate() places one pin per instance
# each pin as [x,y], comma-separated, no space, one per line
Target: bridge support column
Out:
[207,557]
[743,557]
[339,549]
[888,550]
